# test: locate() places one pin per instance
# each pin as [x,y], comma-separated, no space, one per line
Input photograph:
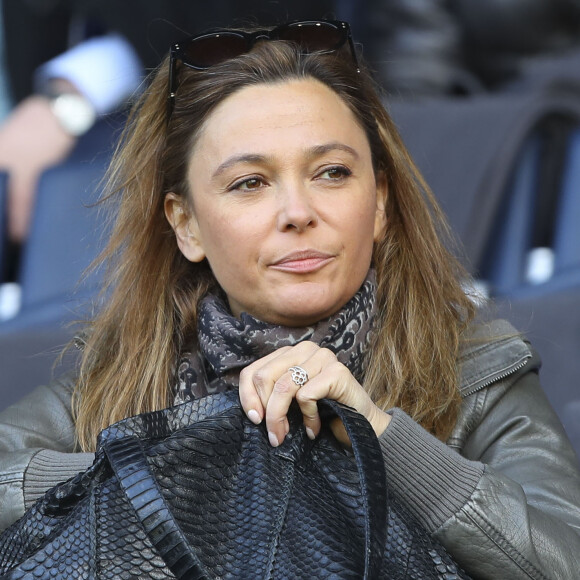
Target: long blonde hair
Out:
[152,291]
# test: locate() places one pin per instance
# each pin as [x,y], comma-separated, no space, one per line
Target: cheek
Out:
[363,241]
[229,246]
[363,229]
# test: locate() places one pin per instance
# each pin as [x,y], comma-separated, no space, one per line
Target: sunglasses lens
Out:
[315,36]
[207,50]
[213,49]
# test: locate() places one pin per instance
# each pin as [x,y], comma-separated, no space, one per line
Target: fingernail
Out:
[310,433]
[273,439]
[254,416]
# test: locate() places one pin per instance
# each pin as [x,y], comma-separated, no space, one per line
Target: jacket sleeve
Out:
[37,448]
[509,505]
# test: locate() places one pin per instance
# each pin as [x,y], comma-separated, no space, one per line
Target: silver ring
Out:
[299,376]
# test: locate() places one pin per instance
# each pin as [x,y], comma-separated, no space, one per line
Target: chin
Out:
[304,314]
[299,305]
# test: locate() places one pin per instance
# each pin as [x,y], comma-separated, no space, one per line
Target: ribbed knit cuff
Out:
[47,468]
[430,478]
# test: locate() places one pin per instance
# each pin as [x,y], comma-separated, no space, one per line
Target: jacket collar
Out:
[493,352]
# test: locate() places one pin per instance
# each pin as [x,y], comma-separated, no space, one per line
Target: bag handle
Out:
[129,463]
[371,469]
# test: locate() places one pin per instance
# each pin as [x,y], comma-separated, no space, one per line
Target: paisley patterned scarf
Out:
[228,344]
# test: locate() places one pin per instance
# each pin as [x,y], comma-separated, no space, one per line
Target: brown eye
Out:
[248,184]
[335,173]
[251,184]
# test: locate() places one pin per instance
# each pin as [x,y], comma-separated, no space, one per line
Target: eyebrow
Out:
[319,150]
[235,159]
[311,153]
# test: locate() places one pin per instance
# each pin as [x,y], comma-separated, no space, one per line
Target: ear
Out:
[185,227]
[380,215]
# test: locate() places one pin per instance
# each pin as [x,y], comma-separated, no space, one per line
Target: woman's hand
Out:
[267,389]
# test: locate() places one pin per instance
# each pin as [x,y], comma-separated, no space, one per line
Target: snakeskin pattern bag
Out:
[197,492]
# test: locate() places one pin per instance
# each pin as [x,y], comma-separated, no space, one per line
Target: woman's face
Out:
[285,202]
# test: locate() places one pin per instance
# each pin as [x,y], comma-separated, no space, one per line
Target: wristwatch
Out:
[74,112]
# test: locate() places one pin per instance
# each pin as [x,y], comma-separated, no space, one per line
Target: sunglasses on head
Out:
[203,51]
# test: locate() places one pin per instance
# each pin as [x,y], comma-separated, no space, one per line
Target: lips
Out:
[302,262]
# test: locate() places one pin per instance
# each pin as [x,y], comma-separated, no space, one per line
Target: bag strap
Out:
[129,463]
[371,469]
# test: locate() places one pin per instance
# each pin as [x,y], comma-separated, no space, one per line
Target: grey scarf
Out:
[227,344]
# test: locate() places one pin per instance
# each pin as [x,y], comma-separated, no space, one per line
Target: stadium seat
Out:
[567,233]
[66,234]
[510,237]
[476,154]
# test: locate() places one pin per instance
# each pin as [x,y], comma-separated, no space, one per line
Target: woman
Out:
[273,235]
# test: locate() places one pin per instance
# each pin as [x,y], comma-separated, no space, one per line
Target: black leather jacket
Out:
[503,495]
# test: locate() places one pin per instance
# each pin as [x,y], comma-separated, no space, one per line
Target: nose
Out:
[296,211]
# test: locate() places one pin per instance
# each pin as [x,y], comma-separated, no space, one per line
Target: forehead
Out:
[275,116]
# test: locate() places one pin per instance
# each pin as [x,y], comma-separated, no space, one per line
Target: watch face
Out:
[74,112]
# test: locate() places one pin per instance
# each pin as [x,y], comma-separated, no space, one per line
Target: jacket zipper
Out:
[514,368]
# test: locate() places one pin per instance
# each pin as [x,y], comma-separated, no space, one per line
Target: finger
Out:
[309,408]
[339,431]
[330,383]
[258,379]
[285,389]
[255,386]
[337,383]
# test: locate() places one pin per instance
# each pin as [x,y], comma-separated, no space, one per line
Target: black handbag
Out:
[197,492]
